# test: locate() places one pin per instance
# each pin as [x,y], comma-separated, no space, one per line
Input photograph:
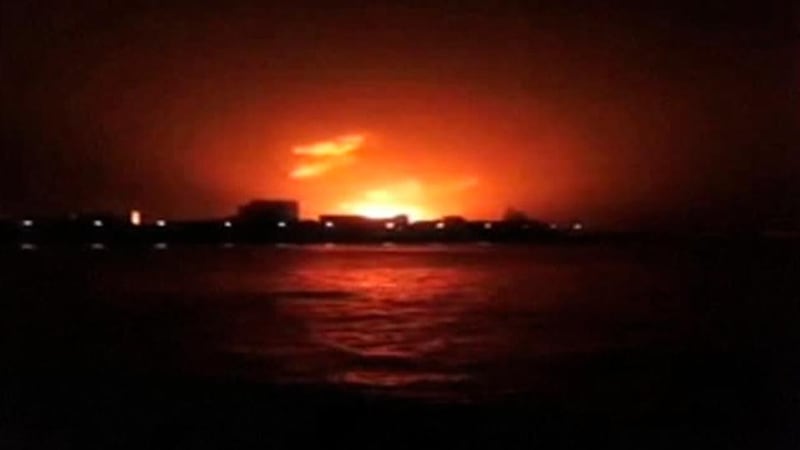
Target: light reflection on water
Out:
[381,323]
[415,319]
[446,320]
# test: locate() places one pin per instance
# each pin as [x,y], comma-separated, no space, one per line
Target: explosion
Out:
[410,197]
[390,201]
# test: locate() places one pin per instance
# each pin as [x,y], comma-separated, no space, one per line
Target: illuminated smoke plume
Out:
[323,156]
[309,170]
[335,147]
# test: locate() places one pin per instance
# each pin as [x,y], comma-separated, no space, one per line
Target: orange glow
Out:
[406,198]
[386,210]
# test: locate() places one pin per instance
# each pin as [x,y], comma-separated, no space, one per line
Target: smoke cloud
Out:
[323,156]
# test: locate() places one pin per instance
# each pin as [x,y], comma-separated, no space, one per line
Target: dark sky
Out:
[664,115]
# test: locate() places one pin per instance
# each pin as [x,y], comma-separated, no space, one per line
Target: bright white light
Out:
[577,226]
[97,223]
[487,225]
[27,223]
[389,225]
[329,224]
[227,224]
[439,225]
[281,224]
[136,218]
[161,223]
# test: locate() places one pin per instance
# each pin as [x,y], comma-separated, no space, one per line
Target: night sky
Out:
[669,115]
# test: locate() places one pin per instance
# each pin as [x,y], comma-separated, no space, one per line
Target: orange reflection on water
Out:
[382,320]
[383,378]
[398,318]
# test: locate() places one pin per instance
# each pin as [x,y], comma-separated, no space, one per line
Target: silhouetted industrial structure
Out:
[269,212]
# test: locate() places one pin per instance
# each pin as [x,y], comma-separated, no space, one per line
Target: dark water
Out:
[700,333]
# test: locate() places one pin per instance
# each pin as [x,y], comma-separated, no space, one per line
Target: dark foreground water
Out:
[642,346]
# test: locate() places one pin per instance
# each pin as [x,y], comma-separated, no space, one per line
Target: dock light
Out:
[281,224]
[27,223]
[487,225]
[136,218]
[97,246]
[389,225]
[160,246]
[97,223]
[577,226]
[161,223]
[439,225]
[553,226]
[329,224]
[27,246]
[227,224]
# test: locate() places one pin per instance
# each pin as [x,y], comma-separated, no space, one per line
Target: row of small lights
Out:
[392,225]
[227,224]
[136,221]
[577,226]
[27,223]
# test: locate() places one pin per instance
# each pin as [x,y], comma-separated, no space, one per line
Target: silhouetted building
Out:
[453,221]
[269,211]
[515,215]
